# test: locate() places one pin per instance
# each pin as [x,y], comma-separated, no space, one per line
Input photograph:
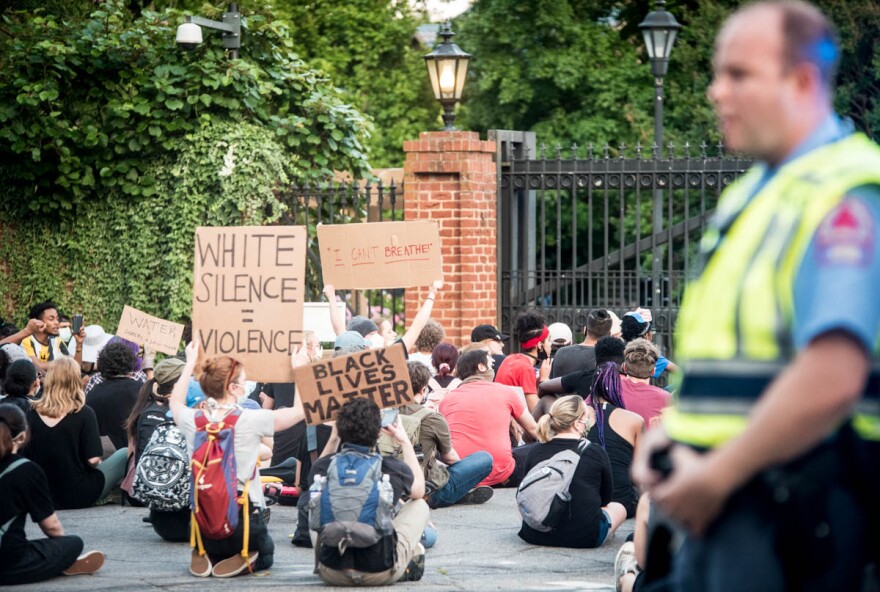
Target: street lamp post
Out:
[659,30]
[189,34]
[447,68]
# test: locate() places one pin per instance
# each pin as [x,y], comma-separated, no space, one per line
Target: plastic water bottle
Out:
[315,502]
[386,492]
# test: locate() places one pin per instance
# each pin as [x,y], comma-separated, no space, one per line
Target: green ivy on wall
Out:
[115,146]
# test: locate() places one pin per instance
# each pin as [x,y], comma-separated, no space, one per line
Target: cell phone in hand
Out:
[77,323]
[389,416]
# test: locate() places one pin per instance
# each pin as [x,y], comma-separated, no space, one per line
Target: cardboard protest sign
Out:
[379,374]
[380,254]
[149,331]
[248,287]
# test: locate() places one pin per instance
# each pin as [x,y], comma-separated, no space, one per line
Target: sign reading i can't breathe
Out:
[248,296]
[380,254]
[380,374]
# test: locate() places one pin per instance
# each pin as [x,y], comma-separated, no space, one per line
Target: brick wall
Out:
[451,177]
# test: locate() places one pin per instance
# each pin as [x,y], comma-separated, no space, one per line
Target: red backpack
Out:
[215,497]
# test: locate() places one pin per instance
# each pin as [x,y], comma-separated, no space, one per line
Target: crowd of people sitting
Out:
[87,417]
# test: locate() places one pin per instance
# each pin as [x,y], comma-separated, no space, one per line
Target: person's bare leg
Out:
[617,513]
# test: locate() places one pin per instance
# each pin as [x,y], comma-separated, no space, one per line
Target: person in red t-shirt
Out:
[532,366]
[479,413]
[639,396]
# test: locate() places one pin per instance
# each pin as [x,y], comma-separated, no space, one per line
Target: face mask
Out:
[375,341]
[65,334]
[542,355]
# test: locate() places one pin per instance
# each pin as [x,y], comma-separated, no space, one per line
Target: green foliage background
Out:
[576,71]
[115,145]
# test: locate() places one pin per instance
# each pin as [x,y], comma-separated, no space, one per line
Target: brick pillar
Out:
[451,177]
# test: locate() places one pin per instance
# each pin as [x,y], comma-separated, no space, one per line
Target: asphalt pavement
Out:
[477,549]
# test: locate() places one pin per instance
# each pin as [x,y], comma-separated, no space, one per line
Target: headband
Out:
[536,340]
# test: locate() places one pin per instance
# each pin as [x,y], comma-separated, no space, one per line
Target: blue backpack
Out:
[353,505]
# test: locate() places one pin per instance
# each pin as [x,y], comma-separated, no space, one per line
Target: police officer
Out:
[777,333]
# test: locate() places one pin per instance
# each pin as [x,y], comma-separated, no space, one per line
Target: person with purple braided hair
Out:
[617,431]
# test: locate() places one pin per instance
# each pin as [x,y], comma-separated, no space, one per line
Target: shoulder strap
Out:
[434,385]
[13,465]
[582,445]
[421,414]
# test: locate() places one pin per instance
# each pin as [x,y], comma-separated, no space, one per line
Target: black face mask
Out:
[542,355]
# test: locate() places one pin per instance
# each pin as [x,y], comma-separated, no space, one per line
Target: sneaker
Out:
[232,566]
[87,563]
[199,565]
[478,495]
[416,567]
[625,562]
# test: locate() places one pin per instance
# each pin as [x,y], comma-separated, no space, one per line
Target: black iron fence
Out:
[335,202]
[606,227]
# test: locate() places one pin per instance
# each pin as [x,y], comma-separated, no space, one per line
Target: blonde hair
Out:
[640,357]
[62,390]
[563,414]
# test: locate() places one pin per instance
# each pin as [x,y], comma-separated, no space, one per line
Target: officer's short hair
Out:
[807,37]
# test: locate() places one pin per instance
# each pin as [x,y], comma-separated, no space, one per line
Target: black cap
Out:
[482,332]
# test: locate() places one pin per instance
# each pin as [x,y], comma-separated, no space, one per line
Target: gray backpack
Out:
[352,506]
[542,497]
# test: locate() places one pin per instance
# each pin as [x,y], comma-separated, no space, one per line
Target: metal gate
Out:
[615,228]
[335,202]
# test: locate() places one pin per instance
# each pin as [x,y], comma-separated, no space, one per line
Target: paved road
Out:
[477,549]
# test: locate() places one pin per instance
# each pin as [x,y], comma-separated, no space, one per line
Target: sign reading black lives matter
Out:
[248,287]
[380,374]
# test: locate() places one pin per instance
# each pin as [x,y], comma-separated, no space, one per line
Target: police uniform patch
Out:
[846,235]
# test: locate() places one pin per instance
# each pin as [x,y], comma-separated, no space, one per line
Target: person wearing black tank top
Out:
[617,431]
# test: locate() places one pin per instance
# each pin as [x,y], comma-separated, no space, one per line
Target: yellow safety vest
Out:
[734,330]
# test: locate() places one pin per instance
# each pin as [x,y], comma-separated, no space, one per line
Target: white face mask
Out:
[65,334]
[376,341]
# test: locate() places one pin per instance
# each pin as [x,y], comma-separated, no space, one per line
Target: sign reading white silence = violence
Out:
[378,374]
[248,287]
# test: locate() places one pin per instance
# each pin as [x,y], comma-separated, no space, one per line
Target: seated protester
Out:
[151,411]
[397,555]
[113,399]
[456,482]
[532,366]
[582,356]
[24,490]
[138,374]
[638,394]
[631,558]
[617,431]
[21,384]
[560,336]
[431,336]
[223,381]
[634,325]
[65,442]
[279,395]
[9,353]
[151,408]
[44,344]
[95,340]
[593,516]
[443,358]
[608,349]
[492,339]
[479,414]
[370,329]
